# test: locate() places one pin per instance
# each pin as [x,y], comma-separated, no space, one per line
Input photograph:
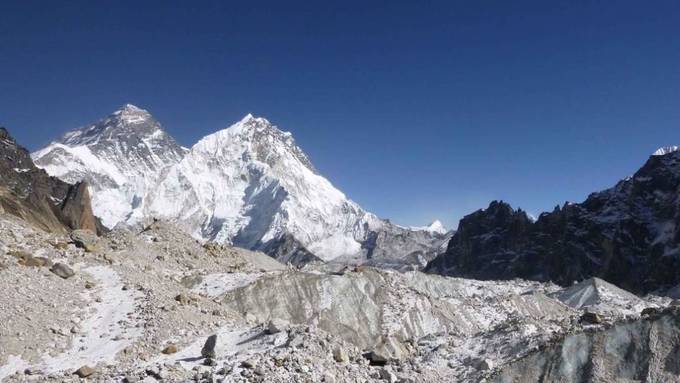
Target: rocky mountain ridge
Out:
[628,235]
[47,202]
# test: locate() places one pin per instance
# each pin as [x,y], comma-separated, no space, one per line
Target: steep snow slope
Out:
[121,157]
[250,184]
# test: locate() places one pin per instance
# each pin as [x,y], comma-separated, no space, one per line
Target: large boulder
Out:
[340,355]
[62,270]
[208,350]
[275,326]
[85,371]
[170,349]
[85,239]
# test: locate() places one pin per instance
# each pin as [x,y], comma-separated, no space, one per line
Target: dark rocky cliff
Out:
[46,202]
[628,235]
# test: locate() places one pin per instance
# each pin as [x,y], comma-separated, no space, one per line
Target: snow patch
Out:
[107,332]
[14,364]
[215,285]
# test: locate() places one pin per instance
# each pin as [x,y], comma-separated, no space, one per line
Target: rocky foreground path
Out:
[109,328]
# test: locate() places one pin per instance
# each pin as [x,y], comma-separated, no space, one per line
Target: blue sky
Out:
[416,110]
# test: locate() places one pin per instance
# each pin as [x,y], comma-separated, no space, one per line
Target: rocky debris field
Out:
[154,304]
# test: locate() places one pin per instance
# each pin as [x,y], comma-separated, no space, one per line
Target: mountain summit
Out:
[249,185]
[435,227]
[120,156]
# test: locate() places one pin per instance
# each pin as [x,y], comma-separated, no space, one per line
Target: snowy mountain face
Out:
[121,157]
[628,234]
[251,185]
[248,185]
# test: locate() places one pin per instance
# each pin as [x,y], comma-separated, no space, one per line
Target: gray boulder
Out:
[84,371]
[275,326]
[340,355]
[62,270]
[208,350]
[85,239]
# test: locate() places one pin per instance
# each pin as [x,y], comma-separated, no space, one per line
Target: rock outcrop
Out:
[46,202]
[628,235]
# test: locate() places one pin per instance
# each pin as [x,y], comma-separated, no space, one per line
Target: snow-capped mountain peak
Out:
[120,156]
[127,121]
[435,227]
[249,184]
[129,108]
[132,115]
[266,143]
[666,150]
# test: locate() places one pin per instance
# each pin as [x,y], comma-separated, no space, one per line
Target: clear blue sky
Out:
[415,111]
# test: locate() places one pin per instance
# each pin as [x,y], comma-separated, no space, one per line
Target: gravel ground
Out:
[141,305]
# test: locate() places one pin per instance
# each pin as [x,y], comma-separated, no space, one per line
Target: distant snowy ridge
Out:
[666,150]
[248,185]
[434,227]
